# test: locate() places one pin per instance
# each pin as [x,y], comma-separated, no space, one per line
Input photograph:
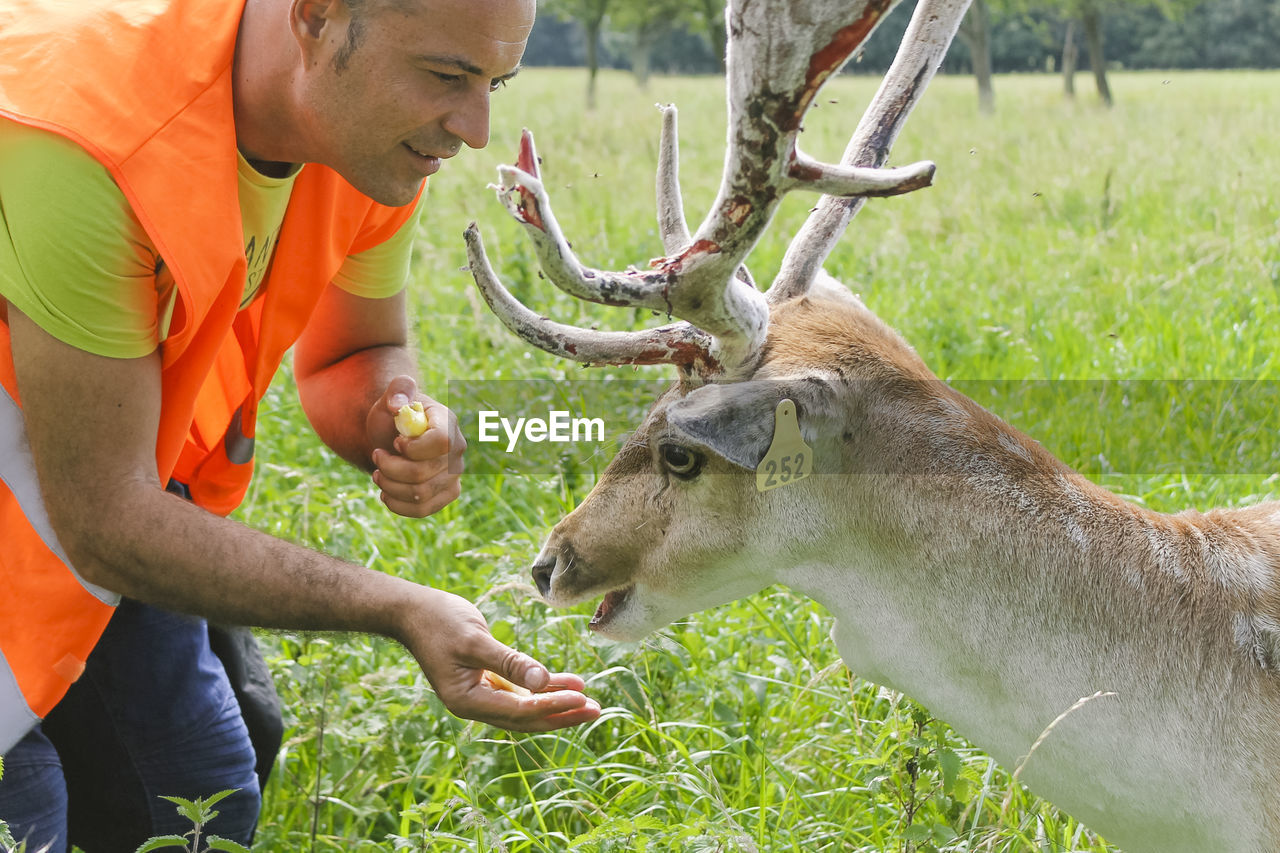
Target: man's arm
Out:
[92,424]
[354,370]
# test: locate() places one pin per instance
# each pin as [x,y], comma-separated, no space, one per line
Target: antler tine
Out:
[671,222]
[677,343]
[672,225]
[859,183]
[932,28]
[780,55]
[526,198]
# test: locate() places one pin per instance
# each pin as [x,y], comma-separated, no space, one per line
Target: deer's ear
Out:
[736,420]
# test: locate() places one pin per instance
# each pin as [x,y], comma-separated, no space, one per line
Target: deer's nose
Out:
[542,571]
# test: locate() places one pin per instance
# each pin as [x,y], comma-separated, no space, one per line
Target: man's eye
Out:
[495,85]
[447,78]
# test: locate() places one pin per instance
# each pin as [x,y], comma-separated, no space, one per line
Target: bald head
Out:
[361,12]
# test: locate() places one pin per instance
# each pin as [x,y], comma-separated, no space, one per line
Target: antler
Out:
[932,28]
[775,72]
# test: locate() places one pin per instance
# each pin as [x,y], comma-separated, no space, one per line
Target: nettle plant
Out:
[200,812]
[1124,661]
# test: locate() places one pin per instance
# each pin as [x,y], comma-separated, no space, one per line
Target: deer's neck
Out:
[999,588]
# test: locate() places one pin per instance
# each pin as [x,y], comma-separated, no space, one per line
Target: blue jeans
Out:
[153,715]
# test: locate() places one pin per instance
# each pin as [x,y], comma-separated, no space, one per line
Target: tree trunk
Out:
[975,32]
[593,59]
[1070,57]
[640,60]
[1093,35]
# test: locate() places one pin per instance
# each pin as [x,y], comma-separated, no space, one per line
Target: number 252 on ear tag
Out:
[789,459]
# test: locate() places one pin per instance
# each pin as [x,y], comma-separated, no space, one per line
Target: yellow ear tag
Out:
[789,458]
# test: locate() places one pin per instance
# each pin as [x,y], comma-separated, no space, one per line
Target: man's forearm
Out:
[337,398]
[351,350]
[173,554]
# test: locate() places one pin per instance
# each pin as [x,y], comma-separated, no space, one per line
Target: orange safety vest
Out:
[145,87]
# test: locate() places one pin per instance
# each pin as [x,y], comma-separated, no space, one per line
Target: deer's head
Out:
[678,520]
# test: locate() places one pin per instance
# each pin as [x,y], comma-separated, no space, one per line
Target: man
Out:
[161,247]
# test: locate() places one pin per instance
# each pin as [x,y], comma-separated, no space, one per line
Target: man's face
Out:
[412,88]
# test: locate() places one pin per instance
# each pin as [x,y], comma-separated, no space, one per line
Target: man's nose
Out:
[470,121]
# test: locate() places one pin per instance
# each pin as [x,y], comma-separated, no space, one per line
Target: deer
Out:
[1124,660]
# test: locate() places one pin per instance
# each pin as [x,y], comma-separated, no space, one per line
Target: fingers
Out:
[420,475]
[560,704]
[452,643]
[566,681]
[417,489]
[536,712]
[418,500]
[532,699]
[400,390]
[442,438]
[556,700]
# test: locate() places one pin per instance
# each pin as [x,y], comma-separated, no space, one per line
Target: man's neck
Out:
[260,89]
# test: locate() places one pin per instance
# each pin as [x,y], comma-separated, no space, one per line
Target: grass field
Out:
[1060,241]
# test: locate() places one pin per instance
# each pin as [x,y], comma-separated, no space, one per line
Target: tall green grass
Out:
[1060,241]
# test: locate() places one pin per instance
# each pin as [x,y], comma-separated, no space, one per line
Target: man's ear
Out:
[308,20]
[736,420]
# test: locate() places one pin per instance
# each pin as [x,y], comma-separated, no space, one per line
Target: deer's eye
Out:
[681,461]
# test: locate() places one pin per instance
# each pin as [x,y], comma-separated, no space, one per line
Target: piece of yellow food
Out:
[497,682]
[411,420]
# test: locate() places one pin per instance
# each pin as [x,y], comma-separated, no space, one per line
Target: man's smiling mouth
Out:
[427,163]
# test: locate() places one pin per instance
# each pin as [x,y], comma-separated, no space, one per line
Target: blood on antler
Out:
[780,53]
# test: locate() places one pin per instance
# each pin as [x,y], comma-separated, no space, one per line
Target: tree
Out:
[1091,20]
[1088,13]
[590,14]
[975,32]
[647,22]
[1216,34]
[1070,59]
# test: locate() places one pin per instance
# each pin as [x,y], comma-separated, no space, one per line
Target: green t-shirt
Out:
[75,259]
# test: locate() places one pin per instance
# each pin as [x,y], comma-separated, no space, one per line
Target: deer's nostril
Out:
[542,571]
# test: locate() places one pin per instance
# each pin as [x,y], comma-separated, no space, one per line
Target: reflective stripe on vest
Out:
[50,616]
[16,719]
[18,472]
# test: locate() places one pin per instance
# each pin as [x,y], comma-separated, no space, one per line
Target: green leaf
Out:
[226,844]
[180,802]
[917,832]
[192,811]
[943,834]
[214,799]
[503,632]
[949,761]
[163,841]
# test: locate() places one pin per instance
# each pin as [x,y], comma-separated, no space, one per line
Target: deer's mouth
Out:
[612,603]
